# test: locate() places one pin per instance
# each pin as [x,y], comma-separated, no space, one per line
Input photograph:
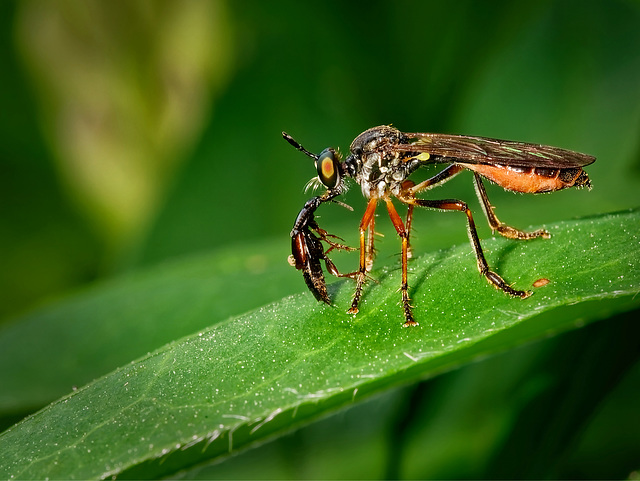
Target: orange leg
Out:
[370,241]
[408,185]
[408,224]
[404,235]
[366,257]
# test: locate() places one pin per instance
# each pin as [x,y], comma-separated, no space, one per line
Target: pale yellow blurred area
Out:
[124,88]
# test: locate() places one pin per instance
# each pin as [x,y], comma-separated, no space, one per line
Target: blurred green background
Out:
[133,132]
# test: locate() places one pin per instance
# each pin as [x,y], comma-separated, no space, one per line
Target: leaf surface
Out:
[258,375]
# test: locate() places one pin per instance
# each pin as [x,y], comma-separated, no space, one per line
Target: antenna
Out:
[291,140]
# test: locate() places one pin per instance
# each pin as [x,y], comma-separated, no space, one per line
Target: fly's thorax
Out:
[375,139]
[383,172]
[376,163]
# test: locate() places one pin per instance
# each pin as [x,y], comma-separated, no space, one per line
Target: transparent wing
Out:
[483,150]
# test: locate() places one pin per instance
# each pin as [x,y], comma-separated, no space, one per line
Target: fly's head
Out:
[331,171]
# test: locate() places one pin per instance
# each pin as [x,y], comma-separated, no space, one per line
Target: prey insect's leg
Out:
[495,224]
[365,224]
[404,287]
[331,267]
[325,236]
[483,267]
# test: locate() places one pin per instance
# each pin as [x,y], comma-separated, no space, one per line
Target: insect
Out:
[382,159]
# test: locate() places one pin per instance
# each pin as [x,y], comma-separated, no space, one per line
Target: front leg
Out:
[366,225]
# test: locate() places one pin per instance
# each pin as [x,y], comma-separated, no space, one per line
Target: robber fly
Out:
[382,159]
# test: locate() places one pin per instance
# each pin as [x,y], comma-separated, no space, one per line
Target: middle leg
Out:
[404,235]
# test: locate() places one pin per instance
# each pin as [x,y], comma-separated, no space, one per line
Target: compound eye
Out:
[327,165]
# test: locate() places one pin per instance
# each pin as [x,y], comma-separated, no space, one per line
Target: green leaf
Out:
[258,375]
[132,316]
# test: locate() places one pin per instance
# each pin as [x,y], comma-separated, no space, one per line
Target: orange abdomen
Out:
[531,180]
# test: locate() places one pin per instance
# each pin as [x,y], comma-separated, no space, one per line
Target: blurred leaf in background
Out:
[132,132]
[103,101]
[124,89]
[45,246]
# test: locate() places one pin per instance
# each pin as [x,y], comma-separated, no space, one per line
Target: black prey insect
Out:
[382,159]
